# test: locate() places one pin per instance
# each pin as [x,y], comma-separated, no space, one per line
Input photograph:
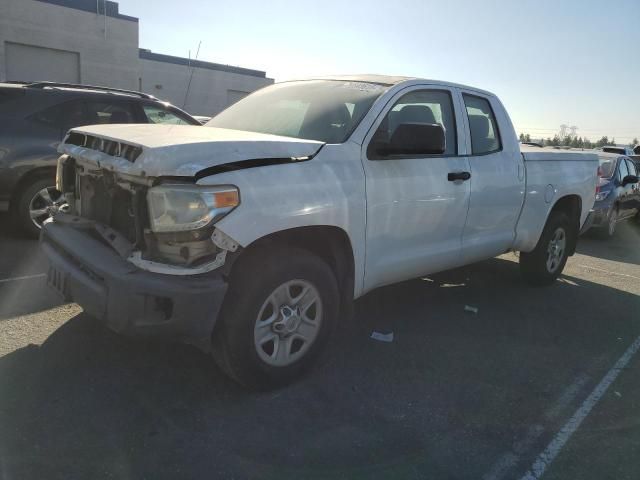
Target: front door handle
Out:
[453,176]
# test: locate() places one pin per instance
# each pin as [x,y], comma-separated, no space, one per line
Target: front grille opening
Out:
[110,205]
[109,147]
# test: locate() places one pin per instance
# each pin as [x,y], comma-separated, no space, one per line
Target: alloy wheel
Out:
[45,203]
[556,249]
[288,323]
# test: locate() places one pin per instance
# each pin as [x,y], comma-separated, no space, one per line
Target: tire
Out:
[254,312]
[537,267]
[609,230]
[31,200]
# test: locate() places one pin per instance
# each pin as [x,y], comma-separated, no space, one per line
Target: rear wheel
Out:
[545,263]
[277,317]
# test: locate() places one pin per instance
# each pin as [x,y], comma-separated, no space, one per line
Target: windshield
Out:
[607,167]
[323,110]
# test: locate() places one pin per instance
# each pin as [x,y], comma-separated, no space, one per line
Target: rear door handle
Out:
[453,176]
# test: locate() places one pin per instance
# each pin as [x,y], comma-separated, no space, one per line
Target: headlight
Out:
[177,208]
[602,195]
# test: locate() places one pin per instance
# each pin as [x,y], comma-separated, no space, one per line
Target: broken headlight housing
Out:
[179,208]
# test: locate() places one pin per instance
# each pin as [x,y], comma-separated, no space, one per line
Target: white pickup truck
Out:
[251,236]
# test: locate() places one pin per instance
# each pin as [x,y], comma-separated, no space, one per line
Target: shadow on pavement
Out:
[623,247]
[451,386]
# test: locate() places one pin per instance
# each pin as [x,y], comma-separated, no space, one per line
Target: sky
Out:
[573,62]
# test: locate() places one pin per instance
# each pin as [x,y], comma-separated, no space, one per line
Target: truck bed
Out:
[552,174]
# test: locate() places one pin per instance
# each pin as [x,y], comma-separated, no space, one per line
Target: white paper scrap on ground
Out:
[382,337]
[468,308]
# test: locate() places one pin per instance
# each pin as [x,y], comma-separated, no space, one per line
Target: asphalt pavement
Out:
[531,386]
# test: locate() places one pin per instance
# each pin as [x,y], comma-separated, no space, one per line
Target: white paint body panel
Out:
[415,216]
[568,173]
[497,191]
[328,190]
[402,217]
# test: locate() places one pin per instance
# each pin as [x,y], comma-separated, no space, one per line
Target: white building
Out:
[91,42]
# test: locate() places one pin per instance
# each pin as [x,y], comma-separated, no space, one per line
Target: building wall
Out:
[211,91]
[68,41]
[109,58]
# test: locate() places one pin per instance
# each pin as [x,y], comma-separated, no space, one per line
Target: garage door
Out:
[31,63]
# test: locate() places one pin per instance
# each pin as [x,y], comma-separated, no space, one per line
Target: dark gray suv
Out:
[34,118]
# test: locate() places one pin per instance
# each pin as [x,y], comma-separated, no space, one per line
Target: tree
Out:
[613,140]
[522,137]
[634,142]
[603,141]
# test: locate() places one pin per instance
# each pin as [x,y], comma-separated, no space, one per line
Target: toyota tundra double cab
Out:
[251,237]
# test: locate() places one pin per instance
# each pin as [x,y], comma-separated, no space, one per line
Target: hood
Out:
[177,150]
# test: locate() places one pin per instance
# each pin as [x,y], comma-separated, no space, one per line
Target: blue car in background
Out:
[617,193]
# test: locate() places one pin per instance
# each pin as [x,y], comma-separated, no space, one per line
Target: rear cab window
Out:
[483,128]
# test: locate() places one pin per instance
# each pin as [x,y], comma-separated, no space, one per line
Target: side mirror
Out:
[629,179]
[415,139]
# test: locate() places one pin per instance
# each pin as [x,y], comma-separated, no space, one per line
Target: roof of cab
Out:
[392,80]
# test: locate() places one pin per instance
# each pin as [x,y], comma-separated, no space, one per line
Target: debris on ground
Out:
[617,394]
[469,308]
[382,337]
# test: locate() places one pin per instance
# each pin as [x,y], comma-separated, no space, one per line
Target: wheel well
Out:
[330,243]
[27,178]
[571,205]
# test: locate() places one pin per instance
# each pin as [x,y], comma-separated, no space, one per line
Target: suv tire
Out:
[30,200]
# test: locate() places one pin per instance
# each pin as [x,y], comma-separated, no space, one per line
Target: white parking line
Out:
[555,446]
[511,459]
[25,277]
[608,272]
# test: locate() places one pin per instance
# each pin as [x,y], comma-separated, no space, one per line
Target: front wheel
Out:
[609,230]
[281,306]
[545,263]
[36,202]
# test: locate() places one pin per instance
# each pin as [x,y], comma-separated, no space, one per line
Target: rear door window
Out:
[100,113]
[483,127]
[62,116]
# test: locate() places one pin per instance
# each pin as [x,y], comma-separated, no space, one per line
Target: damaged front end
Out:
[127,252]
[159,225]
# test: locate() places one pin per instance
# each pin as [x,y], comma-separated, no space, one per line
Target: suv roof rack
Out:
[90,87]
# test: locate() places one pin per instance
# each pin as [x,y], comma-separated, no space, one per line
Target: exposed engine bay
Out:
[113,207]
